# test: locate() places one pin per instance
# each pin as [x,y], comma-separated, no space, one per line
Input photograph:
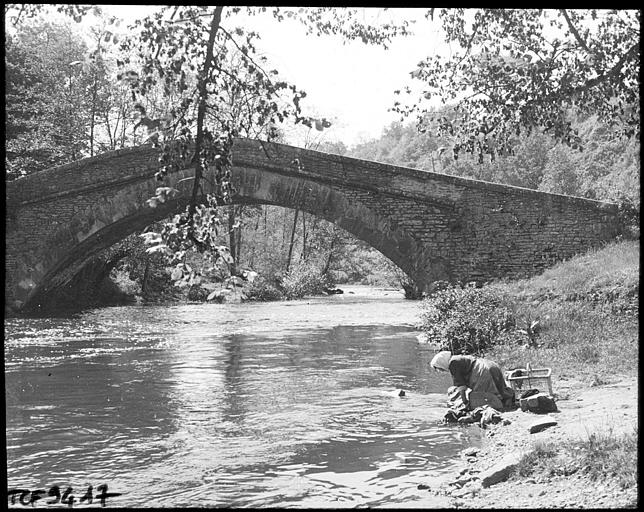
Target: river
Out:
[290,404]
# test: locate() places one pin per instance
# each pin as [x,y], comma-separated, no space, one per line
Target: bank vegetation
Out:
[581,319]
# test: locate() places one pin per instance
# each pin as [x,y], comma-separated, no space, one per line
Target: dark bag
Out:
[539,403]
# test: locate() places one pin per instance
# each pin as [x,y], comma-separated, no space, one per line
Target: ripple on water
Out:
[285,404]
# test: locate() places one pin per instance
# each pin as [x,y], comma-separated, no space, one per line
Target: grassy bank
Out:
[579,318]
[600,457]
[587,309]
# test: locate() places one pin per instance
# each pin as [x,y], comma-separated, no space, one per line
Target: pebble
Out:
[460,482]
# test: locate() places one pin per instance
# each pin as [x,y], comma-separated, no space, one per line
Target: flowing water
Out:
[257,404]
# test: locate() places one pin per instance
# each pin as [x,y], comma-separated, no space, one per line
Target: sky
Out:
[349,83]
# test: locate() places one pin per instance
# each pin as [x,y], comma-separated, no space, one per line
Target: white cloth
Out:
[441,360]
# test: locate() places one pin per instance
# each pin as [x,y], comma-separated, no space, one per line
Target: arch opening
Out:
[307,196]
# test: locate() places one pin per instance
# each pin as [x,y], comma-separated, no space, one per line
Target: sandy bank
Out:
[583,410]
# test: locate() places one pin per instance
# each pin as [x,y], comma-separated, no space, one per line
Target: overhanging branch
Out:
[574,31]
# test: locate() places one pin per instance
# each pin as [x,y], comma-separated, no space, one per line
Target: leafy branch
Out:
[592,71]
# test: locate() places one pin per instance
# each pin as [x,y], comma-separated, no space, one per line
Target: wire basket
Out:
[532,378]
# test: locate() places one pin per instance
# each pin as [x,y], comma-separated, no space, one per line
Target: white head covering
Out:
[441,360]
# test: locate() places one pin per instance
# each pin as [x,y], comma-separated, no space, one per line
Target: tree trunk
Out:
[71,110]
[232,241]
[240,212]
[304,235]
[144,283]
[94,95]
[201,109]
[290,245]
[92,118]
[284,222]
[327,265]
[122,114]
[109,130]
[265,215]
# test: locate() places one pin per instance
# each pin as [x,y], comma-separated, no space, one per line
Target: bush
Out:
[262,290]
[304,280]
[197,293]
[466,320]
[124,282]
[628,216]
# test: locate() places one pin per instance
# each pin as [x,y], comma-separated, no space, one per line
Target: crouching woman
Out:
[480,381]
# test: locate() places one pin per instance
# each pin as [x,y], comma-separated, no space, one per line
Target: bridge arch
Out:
[121,211]
[355,218]
[432,226]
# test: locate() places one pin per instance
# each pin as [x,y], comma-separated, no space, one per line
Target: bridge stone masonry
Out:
[433,226]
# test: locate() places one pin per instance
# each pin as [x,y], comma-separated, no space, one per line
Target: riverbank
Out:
[552,471]
[585,317]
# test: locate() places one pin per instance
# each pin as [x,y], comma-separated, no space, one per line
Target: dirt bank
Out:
[583,410]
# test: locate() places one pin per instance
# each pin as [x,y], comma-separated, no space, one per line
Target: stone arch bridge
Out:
[433,226]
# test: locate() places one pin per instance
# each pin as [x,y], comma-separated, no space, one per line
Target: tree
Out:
[521,70]
[62,103]
[187,50]
[17,13]
[45,97]
[559,174]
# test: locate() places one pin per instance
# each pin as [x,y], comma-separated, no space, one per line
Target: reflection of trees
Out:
[233,406]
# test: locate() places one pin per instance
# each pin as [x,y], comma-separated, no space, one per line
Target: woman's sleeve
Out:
[460,367]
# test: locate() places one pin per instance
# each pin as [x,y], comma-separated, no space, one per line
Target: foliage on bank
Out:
[304,280]
[465,319]
[579,318]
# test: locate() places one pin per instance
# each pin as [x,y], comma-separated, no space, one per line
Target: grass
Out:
[538,460]
[588,316]
[603,456]
[611,271]
[606,455]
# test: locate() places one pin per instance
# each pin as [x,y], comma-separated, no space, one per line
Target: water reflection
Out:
[252,405]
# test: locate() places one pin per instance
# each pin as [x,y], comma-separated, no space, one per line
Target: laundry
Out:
[484,415]
[463,412]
